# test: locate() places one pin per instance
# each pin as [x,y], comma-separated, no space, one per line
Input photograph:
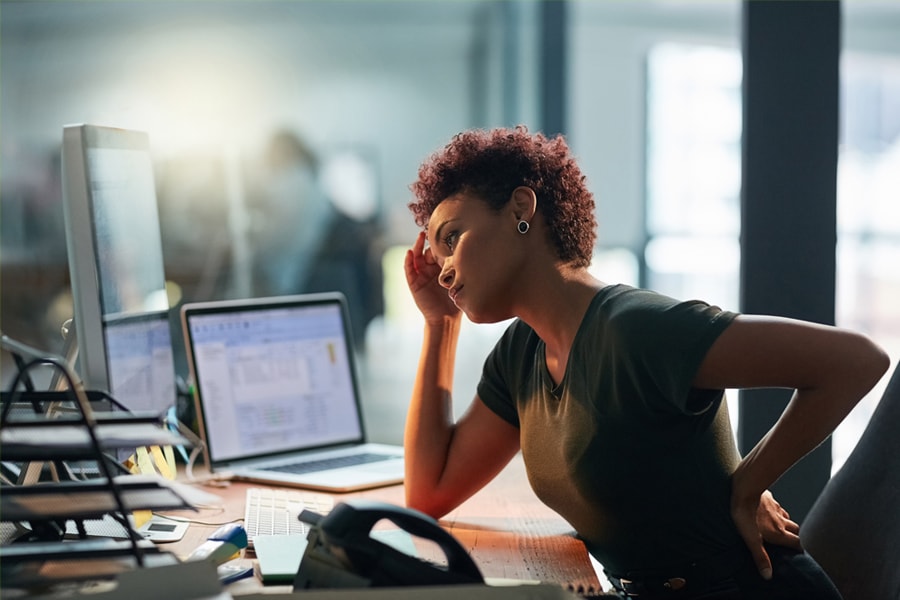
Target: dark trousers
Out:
[796,576]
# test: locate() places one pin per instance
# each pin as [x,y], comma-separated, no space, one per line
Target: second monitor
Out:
[116,266]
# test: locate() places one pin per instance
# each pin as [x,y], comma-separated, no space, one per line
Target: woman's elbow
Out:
[870,363]
[879,361]
[425,501]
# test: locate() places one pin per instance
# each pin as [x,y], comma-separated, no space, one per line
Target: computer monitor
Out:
[116,266]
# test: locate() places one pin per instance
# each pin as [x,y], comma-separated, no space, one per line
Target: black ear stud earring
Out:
[523,226]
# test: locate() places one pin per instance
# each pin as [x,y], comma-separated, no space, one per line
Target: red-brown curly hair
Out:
[490,164]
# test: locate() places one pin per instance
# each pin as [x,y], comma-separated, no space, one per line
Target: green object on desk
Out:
[279,555]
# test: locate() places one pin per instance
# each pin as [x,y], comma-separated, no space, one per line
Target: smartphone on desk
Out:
[162,530]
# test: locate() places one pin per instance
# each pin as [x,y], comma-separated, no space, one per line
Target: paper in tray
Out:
[43,442]
[88,499]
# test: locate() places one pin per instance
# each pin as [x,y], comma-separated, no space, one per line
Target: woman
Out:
[614,395]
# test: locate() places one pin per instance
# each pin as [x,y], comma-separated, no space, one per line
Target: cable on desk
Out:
[216,479]
[197,521]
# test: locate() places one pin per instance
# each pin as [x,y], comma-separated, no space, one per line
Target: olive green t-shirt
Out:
[624,448]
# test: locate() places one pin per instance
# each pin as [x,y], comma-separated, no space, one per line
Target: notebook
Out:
[277,397]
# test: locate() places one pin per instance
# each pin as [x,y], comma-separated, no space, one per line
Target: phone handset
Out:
[342,553]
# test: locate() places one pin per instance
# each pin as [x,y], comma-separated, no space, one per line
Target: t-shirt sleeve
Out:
[666,342]
[494,388]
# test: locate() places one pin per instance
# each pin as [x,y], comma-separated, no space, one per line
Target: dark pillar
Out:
[790,144]
[553,24]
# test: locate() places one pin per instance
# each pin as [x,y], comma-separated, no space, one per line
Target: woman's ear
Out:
[523,203]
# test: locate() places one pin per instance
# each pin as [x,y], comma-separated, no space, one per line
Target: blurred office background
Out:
[285,135]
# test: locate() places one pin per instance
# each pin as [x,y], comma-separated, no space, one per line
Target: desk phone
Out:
[341,551]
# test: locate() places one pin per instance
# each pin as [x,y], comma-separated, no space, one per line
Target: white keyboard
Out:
[274,511]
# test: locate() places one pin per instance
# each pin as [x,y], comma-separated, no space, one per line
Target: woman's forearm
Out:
[811,416]
[429,421]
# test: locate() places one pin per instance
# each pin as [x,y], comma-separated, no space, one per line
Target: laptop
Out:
[276,394]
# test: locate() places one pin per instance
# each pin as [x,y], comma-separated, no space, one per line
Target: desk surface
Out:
[507,530]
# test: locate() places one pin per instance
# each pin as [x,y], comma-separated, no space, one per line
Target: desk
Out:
[507,530]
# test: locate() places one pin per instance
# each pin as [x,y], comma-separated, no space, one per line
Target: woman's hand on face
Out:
[422,273]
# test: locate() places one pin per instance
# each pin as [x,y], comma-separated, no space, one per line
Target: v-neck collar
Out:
[556,388]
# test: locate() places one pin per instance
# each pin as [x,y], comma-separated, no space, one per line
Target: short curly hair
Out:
[490,164]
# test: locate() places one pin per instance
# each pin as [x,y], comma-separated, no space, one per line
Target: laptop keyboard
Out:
[336,462]
[274,511]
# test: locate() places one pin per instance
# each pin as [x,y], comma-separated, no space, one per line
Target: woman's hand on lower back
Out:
[761,519]
[775,524]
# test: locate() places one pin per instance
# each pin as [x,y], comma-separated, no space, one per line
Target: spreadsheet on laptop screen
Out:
[274,379]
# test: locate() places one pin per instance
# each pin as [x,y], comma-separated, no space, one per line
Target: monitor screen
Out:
[116,266]
[139,360]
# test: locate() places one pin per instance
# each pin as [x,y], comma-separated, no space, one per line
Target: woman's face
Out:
[477,250]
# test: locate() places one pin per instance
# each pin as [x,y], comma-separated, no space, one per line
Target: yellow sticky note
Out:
[141,517]
[170,458]
[144,464]
[150,461]
[165,468]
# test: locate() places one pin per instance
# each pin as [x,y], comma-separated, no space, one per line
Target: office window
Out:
[868,249]
[693,193]
[694,172]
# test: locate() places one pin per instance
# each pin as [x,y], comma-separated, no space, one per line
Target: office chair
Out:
[853,529]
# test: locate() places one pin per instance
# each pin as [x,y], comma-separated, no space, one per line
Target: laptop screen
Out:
[273,378]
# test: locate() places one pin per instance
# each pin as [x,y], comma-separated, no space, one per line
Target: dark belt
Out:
[650,586]
[680,581]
